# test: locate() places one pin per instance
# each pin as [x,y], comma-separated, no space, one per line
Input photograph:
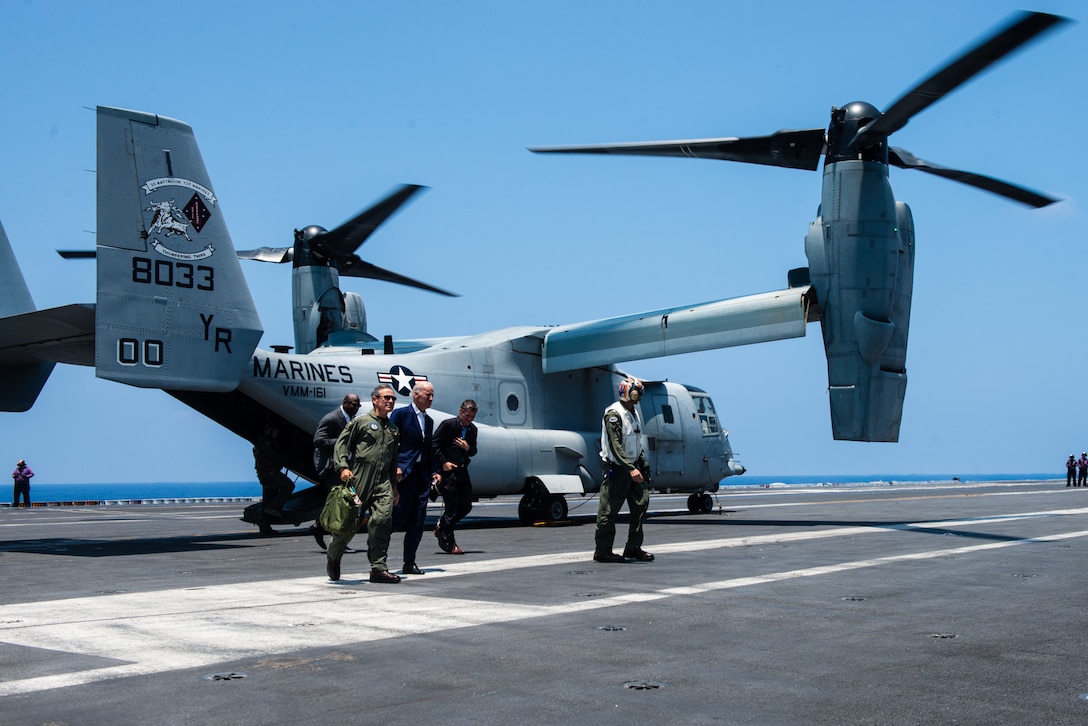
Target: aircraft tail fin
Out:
[173,307]
[20,382]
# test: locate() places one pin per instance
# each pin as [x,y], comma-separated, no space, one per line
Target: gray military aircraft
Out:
[860,247]
[173,312]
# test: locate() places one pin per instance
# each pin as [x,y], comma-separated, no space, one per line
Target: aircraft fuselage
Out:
[536,430]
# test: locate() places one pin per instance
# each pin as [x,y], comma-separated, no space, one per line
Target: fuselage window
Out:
[512,403]
[666,414]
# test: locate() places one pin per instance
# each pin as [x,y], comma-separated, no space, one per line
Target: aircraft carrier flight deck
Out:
[905,604]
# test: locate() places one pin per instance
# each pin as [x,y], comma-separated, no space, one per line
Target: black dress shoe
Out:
[444,543]
[319,535]
[412,569]
[637,553]
[607,557]
[332,568]
[383,576]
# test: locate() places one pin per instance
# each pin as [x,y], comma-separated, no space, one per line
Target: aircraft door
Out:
[664,431]
[513,403]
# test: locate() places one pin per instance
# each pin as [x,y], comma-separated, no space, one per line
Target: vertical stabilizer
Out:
[173,308]
[21,383]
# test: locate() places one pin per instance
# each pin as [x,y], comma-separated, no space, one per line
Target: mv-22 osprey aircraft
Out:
[173,312]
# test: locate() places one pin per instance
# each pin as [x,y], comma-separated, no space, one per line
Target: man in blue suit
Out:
[417,471]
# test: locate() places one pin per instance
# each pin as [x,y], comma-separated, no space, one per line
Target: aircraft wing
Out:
[56,335]
[720,324]
[31,343]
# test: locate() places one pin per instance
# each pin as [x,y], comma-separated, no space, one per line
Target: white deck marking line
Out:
[199,627]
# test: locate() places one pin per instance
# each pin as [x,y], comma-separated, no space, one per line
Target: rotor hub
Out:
[846,122]
[305,254]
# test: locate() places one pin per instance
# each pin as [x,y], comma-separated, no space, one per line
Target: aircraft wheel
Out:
[555,508]
[706,503]
[693,504]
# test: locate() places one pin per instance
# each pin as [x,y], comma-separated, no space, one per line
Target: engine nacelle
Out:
[862,269]
[354,312]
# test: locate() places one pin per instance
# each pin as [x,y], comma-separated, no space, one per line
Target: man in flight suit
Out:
[365,455]
[626,476]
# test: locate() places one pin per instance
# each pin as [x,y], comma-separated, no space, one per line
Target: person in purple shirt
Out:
[21,475]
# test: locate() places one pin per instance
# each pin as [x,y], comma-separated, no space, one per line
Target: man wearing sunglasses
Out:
[365,456]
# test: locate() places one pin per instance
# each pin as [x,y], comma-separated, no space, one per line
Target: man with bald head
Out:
[328,430]
[417,470]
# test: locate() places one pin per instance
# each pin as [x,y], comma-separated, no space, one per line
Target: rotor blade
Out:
[1022,28]
[788,148]
[906,160]
[267,254]
[264,254]
[355,267]
[342,242]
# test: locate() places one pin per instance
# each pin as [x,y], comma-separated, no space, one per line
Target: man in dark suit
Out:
[417,471]
[454,445]
[328,430]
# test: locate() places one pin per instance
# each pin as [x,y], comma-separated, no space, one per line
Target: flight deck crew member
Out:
[1071,471]
[625,476]
[454,446]
[1082,469]
[328,430]
[416,470]
[21,478]
[365,455]
[269,460]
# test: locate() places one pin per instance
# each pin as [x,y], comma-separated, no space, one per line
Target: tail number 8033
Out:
[172,274]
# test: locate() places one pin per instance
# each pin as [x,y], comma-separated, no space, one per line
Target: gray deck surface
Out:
[934,604]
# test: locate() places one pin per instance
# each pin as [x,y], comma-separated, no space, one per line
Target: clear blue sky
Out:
[308,113]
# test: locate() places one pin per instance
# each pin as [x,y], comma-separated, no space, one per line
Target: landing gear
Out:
[536,507]
[557,508]
[701,503]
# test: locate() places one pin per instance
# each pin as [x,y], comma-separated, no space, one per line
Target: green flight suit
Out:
[621,450]
[368,446]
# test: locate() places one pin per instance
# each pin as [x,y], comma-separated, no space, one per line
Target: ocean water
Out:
[832,479]
[151,491]
[146,491]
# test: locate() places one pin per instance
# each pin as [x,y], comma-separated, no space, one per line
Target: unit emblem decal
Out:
[168,220]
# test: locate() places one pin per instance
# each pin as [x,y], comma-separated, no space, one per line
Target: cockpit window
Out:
[704,412]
